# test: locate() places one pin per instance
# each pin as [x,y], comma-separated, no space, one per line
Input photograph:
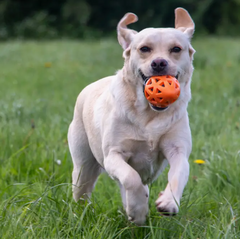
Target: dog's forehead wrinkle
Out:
[162,31]
[166,36]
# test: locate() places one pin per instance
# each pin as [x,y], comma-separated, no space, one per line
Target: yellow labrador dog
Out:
[115,129]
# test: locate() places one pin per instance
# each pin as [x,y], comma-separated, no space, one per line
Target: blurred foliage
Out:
[92,18]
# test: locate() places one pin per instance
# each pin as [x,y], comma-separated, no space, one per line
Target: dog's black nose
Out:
[159,64]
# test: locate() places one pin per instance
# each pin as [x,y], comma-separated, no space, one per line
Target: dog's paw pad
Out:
[166,206]
[131,219]
[166,212]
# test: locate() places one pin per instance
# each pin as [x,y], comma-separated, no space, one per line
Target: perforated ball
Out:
[161,91]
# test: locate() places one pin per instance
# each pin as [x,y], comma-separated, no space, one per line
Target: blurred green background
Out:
[46,59]
[52,19]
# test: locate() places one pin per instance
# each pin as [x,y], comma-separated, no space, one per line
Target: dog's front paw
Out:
[137,214]
[137,205]
[166,205]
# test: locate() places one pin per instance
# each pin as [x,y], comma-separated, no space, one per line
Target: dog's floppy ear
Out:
[126,35]
[184,22]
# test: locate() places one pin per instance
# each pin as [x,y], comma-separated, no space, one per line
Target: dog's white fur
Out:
[115,129]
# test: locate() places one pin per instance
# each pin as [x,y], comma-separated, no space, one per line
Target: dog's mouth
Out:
[145,79]
[158,109]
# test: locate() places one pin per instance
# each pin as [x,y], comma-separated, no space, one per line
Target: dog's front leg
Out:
[169,199]
[136,194]
[177,153]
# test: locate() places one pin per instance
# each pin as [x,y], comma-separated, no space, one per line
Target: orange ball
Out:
[161,91]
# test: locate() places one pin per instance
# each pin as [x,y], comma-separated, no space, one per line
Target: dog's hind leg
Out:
[85,167]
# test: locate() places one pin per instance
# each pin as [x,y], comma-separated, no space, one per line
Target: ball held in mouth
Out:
[161,91]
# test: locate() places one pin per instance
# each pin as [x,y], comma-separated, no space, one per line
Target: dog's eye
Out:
[176,49]
[145,49]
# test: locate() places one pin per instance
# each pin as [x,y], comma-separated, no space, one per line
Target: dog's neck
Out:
[130,92]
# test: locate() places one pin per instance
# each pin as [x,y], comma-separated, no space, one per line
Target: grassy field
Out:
[39,82]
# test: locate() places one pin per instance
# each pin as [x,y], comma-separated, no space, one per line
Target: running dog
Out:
[115,129]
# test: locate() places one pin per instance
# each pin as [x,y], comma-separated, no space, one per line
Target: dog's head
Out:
[158,51]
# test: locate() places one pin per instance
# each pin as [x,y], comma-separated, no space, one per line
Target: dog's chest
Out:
[147,160]
[141,146]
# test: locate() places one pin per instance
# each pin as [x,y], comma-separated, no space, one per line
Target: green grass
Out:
[36,106]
